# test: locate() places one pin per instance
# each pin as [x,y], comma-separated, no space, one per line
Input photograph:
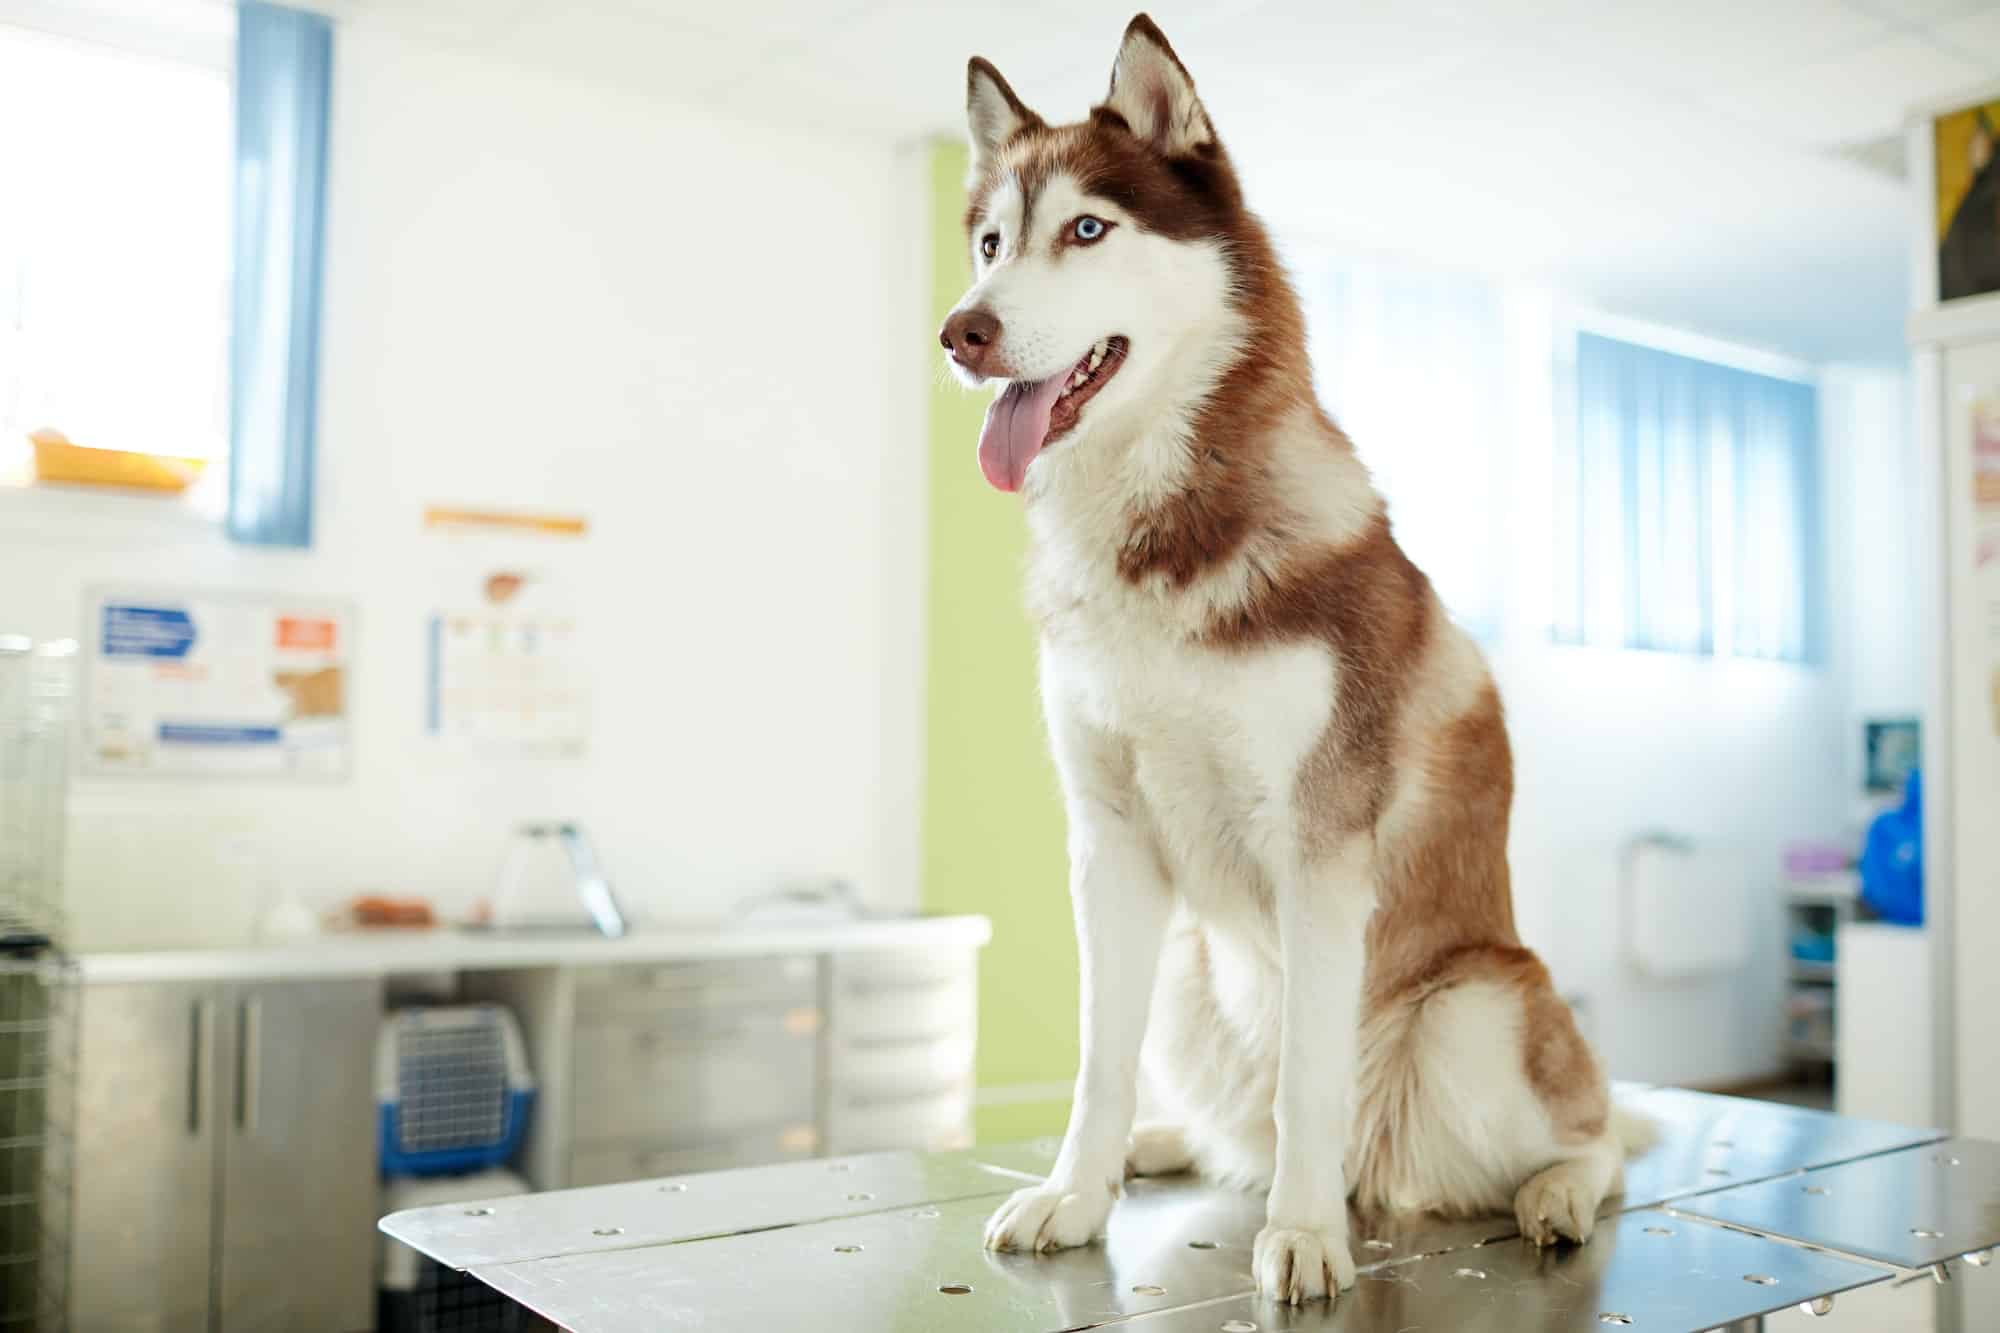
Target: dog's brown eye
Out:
[989,244]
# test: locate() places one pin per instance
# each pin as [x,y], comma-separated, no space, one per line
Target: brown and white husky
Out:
[1285,769]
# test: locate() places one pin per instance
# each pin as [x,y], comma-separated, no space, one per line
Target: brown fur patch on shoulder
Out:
[1444,882]
[1374,609]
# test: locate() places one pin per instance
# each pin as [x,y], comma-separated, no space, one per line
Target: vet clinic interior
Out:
[518,717]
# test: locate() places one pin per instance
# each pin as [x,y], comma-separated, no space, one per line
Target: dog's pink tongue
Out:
[1016,424]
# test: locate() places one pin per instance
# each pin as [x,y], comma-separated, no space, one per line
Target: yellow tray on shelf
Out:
[56,459]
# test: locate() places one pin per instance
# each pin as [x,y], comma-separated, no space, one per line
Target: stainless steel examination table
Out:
[1741,1209]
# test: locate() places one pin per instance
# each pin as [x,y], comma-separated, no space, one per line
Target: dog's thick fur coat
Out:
[1286,771]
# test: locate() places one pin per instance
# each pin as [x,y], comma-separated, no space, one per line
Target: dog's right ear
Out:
[992,113]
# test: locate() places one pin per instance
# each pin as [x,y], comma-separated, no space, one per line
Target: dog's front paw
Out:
[1298,1264]
[1049,1217]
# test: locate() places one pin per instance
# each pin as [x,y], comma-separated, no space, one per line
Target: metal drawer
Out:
[874,1069]
[932,1008]
[610,1164]
[642,1082]
[936,1122]
[637,988]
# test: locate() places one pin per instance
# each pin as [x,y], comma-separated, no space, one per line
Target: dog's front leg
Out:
[1302,1253]
[1121,902]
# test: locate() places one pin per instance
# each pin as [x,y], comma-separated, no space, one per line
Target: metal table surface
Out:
[1741,1208]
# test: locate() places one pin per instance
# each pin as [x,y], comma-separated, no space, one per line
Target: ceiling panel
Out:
[1859,95]
[628,49]
[1705,44]
[1923,11]
[759,23]
[1670,161]
[1318,65]
[1974,36]
[1057,56]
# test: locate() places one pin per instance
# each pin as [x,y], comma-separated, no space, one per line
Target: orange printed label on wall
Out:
[441,518]
[305,635]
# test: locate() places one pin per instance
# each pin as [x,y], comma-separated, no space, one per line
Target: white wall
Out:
[1871,452]
[1740,756]
[544,295]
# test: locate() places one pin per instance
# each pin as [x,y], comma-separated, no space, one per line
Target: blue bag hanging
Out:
[1892,860]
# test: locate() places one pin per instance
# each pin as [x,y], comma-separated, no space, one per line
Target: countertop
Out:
[381,953]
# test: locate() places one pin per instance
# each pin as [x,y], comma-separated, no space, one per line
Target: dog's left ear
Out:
[1154,93]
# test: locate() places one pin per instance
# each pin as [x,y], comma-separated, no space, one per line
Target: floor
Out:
[1815,1093]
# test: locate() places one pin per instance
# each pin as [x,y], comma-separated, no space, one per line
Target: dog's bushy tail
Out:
[1635,1132]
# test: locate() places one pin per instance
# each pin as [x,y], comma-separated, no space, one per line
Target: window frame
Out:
[1721,644]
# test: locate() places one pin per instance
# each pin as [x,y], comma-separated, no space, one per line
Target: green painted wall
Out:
[993,824]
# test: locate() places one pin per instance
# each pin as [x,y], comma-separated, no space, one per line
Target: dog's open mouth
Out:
[1030,413]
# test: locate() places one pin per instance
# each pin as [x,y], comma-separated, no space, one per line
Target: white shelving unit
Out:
[1821,905]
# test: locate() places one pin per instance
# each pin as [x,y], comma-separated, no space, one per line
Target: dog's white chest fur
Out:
[1216,737]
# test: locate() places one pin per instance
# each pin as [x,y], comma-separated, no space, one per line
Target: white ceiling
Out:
[1686,161]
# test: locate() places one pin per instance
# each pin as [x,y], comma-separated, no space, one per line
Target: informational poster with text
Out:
[216,684]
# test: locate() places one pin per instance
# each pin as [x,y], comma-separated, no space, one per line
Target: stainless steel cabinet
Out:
[651,1069]
[225,1136]
[142,1207]
[900,1043]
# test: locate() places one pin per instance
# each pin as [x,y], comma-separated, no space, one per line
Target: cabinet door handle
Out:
[249,1045]
[201,1031]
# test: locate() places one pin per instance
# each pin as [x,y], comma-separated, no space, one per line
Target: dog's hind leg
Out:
[1560,1202]
[1482,1095]
[1158,1149]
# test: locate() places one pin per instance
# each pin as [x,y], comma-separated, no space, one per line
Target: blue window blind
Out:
[284,69]
[1688,513]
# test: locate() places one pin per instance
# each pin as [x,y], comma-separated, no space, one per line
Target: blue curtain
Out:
[1688,508]
[284,68]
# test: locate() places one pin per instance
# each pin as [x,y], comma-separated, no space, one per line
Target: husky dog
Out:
[1285,770]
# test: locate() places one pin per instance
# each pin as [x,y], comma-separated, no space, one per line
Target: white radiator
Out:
[1687,910]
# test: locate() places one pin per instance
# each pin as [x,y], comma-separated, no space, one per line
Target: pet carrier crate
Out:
[452,1087]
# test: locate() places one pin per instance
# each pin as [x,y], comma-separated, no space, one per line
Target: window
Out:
[114,249]
[1688,508]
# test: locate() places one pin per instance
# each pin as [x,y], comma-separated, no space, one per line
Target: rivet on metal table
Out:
[1740,1209]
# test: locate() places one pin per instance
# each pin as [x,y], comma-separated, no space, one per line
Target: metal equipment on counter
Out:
[1740,1209]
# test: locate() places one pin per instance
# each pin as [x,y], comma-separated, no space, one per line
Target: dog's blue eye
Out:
[1089,228]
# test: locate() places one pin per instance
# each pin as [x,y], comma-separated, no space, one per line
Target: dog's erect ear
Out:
[1151,89]
[992,113]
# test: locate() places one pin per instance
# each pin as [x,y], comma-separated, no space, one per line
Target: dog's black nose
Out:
[970,335]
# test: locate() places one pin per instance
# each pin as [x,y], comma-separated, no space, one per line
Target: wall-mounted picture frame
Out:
[1892,748]
[1967,212]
